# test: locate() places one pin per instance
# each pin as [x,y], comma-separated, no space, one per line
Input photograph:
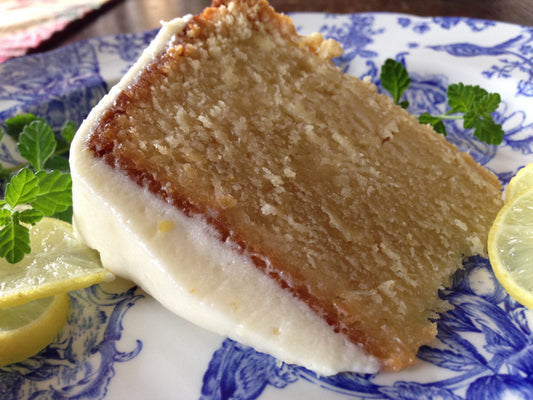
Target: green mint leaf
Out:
[37,143]
[14,242]
[16,124]
[62,146]
[488,131]
[487,103]
[477,105]
[461,97]
[395,79]
[5,216]
[466,98]
[57,162]
[65,215]
[22,188]
[470,119]
[435,122]
[55,192]
[30,216]
[68,131]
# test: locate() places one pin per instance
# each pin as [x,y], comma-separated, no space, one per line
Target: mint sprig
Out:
[37,188]
[37,144]
[473,104]
[477,105]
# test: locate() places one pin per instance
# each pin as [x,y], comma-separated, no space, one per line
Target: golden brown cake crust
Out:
[341,298]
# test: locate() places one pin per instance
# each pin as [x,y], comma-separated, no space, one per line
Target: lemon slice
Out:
[522,181]
[510,246]
[58,263]
[28,328]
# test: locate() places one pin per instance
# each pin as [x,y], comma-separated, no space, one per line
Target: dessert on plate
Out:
[253,188]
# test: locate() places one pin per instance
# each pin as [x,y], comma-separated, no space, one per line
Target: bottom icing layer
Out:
[181,262]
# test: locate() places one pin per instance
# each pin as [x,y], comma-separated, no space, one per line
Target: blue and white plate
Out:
[120,344]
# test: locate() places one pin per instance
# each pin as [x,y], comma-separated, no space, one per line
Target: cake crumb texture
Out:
[336,193]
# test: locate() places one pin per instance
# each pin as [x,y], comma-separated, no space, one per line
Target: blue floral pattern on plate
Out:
[484,349]
[80,363]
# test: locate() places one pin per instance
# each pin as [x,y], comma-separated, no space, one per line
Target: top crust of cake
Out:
[333,191]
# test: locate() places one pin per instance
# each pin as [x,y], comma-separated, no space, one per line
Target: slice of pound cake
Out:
[254,189]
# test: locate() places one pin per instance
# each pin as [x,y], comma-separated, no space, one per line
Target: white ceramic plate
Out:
[120,344]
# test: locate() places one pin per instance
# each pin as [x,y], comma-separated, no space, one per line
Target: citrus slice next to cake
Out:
[510,246]
[28,328]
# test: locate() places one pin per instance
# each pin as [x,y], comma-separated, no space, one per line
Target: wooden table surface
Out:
[127,16]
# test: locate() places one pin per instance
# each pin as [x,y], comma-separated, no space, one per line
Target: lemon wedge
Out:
[28,328]
[522,181]
[510,247]
[58,263]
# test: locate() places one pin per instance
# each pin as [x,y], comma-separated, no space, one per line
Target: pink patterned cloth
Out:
[24,24]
